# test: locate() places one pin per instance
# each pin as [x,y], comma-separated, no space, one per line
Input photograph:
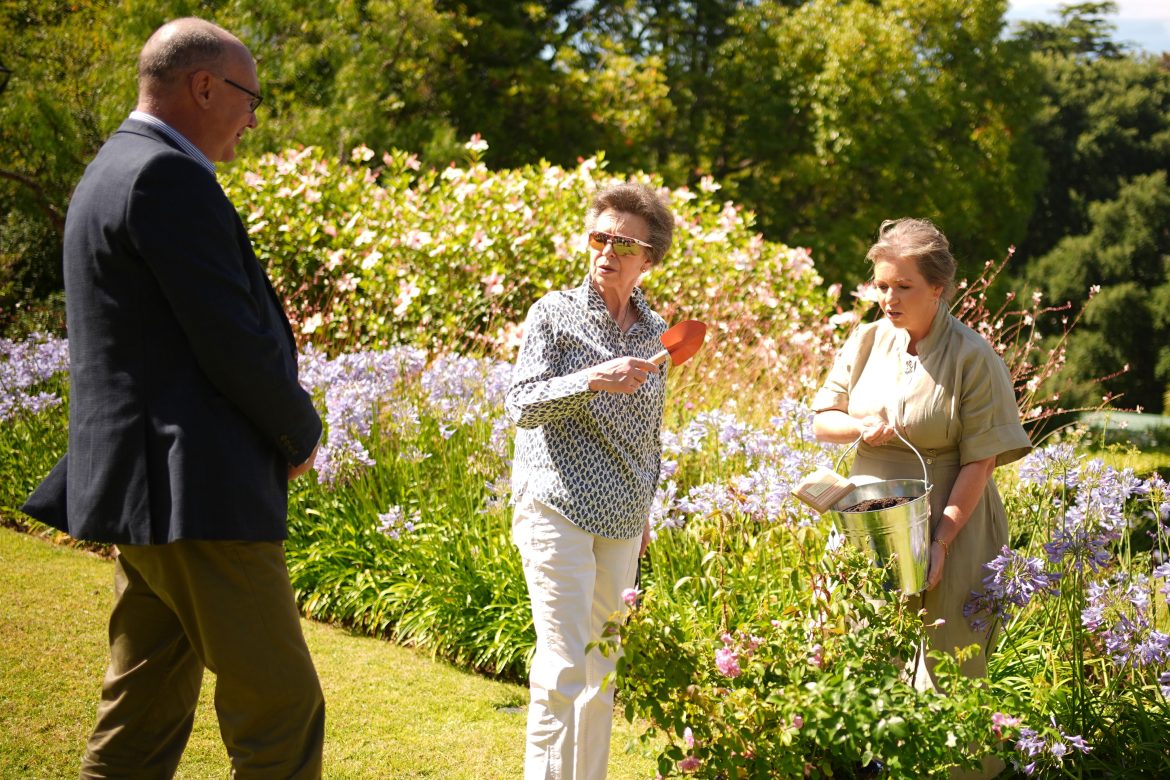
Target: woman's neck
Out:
[619,305]
[916,335]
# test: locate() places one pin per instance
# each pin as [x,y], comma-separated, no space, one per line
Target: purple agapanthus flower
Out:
[1057,463]
[394,522]
[1039,751]
[1095,520]
[354,387]
[1014,580]
[26,364]
[1120,611]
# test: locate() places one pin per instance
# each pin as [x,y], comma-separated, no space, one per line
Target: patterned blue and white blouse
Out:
[592,456]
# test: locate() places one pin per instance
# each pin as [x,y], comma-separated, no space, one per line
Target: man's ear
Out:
[200,86]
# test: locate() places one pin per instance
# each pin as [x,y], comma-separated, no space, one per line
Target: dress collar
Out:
[938,329]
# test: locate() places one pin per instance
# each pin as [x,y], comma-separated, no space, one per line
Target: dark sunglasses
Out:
[623,246]
[254,103]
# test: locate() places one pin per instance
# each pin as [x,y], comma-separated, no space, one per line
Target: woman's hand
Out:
[620,375]
[938,560]
[875,431]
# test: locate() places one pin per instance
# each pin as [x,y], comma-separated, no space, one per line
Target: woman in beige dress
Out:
[943,387]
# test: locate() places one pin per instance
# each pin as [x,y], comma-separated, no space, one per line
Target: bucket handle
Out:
[851,447]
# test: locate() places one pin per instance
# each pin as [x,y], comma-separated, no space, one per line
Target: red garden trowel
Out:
[682,341]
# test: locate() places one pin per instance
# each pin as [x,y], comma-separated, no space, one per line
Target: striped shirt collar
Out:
[179,139]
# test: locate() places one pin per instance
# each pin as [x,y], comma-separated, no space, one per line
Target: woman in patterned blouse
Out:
[588,408]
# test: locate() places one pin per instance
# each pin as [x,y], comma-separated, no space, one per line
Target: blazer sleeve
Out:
[185,229]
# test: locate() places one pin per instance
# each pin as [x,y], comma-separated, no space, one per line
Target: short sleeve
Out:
[834,393]
[988,412]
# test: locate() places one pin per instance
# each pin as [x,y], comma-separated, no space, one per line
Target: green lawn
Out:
[392,712]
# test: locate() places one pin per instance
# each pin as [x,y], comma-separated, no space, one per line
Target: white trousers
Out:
[575,580]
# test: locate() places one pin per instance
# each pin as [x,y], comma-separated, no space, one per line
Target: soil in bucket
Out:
[875,504]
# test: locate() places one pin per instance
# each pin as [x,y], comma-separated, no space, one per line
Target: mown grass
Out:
[392,711]
[1144,461]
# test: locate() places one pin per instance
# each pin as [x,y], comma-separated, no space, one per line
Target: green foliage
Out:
[543,81]
[845,114]
[754,94]
[778,658]
[1105,121]
[397,253]
[1101,217]
[68,69]
[339,73]
[1119,267]
[1083,31]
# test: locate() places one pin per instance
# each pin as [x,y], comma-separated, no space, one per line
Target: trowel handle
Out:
[660,358]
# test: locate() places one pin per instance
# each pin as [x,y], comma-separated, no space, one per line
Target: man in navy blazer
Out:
[186,423]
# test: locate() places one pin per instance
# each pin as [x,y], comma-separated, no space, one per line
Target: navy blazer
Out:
[184,407]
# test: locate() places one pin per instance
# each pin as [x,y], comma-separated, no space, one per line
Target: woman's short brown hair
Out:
[639,200]
[923,241]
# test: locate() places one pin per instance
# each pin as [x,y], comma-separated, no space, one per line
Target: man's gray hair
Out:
[180,47]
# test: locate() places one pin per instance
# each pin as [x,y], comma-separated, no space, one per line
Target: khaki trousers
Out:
[229,607]
[575,580]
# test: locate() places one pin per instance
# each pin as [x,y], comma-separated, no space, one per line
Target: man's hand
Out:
[296,471]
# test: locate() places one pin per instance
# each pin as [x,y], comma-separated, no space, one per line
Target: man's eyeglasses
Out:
[256,100]
[623,246]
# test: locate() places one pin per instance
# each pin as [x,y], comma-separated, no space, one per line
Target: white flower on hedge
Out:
[311,324]
[708,184]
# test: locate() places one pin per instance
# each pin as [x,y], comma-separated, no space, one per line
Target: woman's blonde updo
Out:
[921,240]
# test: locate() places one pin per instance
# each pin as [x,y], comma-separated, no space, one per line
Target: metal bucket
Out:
[900,533]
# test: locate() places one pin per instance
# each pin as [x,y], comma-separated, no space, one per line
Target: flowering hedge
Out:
[384,252]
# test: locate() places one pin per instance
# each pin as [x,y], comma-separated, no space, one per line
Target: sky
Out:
[1143,22]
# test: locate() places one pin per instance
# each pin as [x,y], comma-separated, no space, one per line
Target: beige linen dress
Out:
[954,402]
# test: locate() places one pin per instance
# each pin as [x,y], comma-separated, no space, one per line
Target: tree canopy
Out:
[824,117]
